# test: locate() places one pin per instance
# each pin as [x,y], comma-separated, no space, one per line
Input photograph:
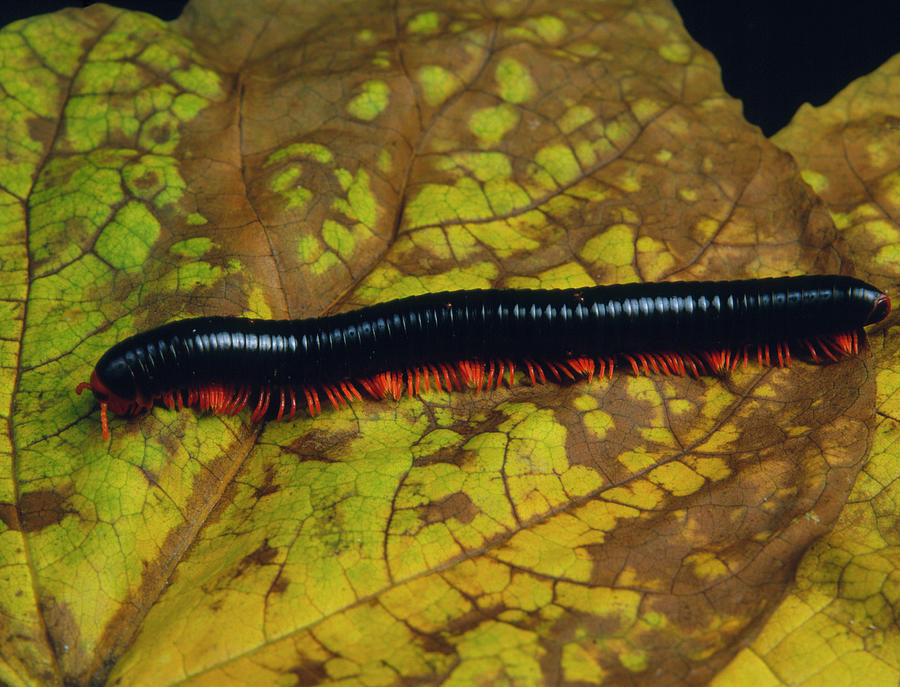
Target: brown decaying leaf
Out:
[842,609]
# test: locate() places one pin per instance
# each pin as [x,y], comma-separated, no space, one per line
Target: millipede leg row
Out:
[225,399]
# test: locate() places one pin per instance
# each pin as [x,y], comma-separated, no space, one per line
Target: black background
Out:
[774,55]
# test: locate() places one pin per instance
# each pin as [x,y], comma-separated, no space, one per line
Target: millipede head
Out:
[101,397]
[107,399]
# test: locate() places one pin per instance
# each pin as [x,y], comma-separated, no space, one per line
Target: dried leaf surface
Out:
[843,610]
[286,160]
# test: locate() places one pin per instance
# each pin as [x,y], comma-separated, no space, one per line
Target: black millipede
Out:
[478,338]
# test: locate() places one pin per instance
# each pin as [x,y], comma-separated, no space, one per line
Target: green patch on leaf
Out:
[819,182]
[52,41]
[569,275]
[557,162]
[653,253]
[200,81]
[887,257]
[637,460]
[634,660]
[187,106]
[495,172]
[435,441]
[889,187]
[191,275]
[712,468]
[125,242]
[73,199]
[387,284]
[258,303]
[192,248]
[678,52]
[615,246]
[325,262]
[575,117]
[108,77]
[491,124]
[639,494]
[438,84]
[581,665]
[483,166]
[620,605]
[89,119]
[548,28]
[424,23]
[506,197]
[621,131]
[309,249]
[159,133]
[436,242]
[154,178]
[153,99]
[646,109]
[305,151]
[597,422]
[663,156]
[382,60]
[676,478]
[159,58]
[366,36]
[502,236]
[514,81]
[371,102]
[579,480]
[47,339]
[438,203]
[360,203]
[688,195]
[338,238]
[285,184]
[385,161]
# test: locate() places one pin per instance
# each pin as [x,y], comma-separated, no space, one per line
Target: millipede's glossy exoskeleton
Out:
[477,338]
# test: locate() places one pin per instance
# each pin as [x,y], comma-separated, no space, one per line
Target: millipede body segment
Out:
[479,338]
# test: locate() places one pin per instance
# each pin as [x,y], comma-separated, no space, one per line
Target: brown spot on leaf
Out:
[64,632]
[151,476]
[268,486]
[44,508]
[280,584]
[147,180]
[160,134]
[458,506]
[436,644]
[9,516]
[40,129]
[263,555]
[468,620]
[310,672]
